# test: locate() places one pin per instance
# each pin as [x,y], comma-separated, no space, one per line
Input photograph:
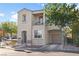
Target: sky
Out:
[8,11]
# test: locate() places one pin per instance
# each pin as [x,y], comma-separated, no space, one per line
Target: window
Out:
[24,18]
[37,34]
[41,20]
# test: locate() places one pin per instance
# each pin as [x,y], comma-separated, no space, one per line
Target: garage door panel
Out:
[55,37]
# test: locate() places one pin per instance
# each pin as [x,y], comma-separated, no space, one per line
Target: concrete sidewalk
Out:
[9,52]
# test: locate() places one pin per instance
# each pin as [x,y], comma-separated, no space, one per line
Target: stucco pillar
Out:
[44,28]
[62,37]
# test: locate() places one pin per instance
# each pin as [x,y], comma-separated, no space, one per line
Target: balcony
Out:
[36,22]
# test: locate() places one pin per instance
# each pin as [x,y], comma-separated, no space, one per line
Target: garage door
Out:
[55,36]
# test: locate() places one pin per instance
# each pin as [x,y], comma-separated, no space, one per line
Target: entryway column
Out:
[62,37]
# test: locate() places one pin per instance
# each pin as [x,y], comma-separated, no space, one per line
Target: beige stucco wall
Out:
[25,26]
[47,29]
[50,36]
[38,41]
[38,11]
[52,27]
[29,27]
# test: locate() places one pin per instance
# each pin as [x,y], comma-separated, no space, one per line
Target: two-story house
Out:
[32,30]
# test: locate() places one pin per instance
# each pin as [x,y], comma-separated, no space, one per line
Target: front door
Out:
[24,37]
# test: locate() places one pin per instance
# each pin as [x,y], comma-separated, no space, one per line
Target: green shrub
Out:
[77,42]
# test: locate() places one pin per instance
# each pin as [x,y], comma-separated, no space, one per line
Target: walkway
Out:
[8,52]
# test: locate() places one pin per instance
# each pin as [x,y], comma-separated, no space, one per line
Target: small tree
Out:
[75,33]
[61,14]
[9,27]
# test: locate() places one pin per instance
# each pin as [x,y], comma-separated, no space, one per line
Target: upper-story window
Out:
[41,20]
[24,18]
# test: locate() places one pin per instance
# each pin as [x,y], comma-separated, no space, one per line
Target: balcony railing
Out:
[38,22]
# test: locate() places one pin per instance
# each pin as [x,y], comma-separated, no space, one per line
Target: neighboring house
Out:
[32,30]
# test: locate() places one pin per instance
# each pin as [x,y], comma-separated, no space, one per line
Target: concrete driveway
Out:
[9,52]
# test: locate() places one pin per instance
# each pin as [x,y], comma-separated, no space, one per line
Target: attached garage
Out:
[54,37]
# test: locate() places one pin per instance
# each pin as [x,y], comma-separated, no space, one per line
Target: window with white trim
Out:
[40,20]
[37,33]
[24,18]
